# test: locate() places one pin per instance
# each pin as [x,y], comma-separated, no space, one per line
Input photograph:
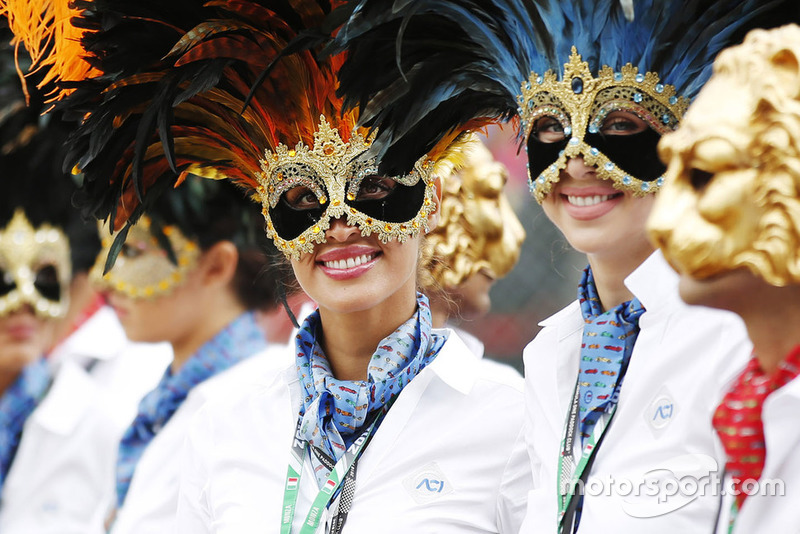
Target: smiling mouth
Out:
[589,200]
[349,263]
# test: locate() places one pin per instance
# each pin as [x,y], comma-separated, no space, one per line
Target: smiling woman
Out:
[365,422]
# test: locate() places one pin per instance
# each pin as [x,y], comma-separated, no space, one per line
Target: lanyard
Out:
[344,469]
[568,478]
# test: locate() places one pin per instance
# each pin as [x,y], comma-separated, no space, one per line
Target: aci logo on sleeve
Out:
[428,484]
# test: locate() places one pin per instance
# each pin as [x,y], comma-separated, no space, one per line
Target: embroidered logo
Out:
[428,484]
[661,411]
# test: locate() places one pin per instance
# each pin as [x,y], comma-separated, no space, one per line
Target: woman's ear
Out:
[433,217]
[218,264]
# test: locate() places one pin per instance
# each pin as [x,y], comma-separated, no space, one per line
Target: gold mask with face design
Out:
[478,230]
[332,172]
[580,104]
[143,269]
[35,268]
[732,197]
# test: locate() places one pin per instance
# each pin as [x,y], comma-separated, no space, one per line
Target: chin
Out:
[724,291]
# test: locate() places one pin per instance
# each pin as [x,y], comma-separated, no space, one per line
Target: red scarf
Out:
[738,419]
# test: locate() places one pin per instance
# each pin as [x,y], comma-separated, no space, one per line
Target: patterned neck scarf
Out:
[238,341]
[334,410]
[608,340]
[16,405]
[738,419]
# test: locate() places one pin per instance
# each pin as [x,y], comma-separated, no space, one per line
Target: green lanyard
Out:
[342,468]
[566,491]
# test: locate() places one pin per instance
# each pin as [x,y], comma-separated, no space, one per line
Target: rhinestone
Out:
[637,97]
[639,78]
[574,141]
[568,130]
[609,166]
[527,86]
[673,100]
[617,76]
[560,153]
[532,186]
[541,179]
[415,224]
[316,229]
[539,80]
[665,118]
[659,88]
[645,186]
[388,227]
[660,181]
[351,197]
[593,151]
[301,240]
[627,180]
[292,153]
[552,168]
[593,129]
[577,85]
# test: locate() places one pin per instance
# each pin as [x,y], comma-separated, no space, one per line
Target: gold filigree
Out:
[142,269]
[732,193]
[581,101]
[333,169]
[478,230]
[24,251]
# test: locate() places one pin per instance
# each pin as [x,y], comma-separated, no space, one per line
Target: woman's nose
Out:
[340,230]
[578,169]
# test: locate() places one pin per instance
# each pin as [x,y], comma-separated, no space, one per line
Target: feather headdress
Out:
[422,69]
[167,91]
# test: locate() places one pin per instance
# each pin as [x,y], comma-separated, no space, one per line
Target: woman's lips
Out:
[21,330]
[348,262]
[585,204]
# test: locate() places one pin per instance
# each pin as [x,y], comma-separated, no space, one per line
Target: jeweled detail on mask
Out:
[582,112]
[333,172]
[28,256]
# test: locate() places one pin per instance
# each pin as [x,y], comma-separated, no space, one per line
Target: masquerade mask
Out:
[35,268]
[732,197]
[303,189]
[143,269]
[577,109]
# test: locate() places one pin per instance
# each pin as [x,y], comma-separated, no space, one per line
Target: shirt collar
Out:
[654,283]
[455,364]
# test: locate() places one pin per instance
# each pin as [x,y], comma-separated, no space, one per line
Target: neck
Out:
[610,272]
[350,339]
[440,310]
[226,308]
[767,319]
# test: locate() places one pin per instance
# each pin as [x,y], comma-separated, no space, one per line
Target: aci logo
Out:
[661,411]
[428,484]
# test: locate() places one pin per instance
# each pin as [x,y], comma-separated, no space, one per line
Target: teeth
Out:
[587,201]
[349,262]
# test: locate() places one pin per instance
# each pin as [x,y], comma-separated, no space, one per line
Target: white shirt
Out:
[773,507]
[152,497]
[62,477]
[435,464]
[684,359]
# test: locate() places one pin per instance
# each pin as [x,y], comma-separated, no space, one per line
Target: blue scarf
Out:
[608,340]
[334,410]
[16,405]
[238,341]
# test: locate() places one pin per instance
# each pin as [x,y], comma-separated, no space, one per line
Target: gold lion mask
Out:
[477,231]
[732,197]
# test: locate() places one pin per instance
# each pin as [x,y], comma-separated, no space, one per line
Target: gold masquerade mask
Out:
[579,106]
[478,230]
[303,189]
[143,269]
[35,268]
[732,193]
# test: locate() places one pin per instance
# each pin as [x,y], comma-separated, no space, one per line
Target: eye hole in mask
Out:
[297,209]
[387,200]
[7,283]
[46,283]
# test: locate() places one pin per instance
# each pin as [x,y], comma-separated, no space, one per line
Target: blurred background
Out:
[546,277]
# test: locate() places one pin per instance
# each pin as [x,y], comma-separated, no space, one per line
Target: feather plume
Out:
[166,97]
[419,70]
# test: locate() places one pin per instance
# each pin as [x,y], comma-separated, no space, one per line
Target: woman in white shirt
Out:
[376,421]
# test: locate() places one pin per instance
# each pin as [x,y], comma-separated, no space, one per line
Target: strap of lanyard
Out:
[568,478]
[344,470]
